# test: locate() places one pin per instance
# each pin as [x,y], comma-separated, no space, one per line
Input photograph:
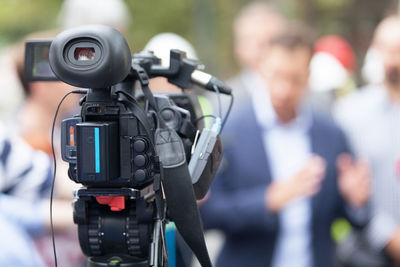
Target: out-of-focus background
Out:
[207,24]
[346,27]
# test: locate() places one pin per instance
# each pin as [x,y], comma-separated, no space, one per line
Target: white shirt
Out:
[372,123]
[25,179]
[288,147]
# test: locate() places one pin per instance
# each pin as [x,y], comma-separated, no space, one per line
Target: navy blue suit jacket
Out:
[236,204]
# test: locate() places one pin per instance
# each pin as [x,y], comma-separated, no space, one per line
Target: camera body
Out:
[107,153]
[106,146]
[131,153]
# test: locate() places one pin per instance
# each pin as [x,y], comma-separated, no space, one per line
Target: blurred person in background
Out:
[371,119]
[34,124]
[10,87]
[113,13]
[253,27]
[372,70]
[72,13]
[36,115]
[331,72]
[287,173]
[25,181]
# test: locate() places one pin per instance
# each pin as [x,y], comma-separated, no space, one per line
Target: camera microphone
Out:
[208,82]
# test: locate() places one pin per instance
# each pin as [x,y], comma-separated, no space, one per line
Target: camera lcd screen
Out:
[37,67]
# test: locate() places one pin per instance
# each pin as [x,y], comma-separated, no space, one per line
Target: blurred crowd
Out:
[311,162]
[311,167]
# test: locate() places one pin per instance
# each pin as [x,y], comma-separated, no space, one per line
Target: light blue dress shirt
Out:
[371,120]
[288,147]
[17,247]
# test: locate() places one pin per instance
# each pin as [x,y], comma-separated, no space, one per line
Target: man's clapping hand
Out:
[305,183]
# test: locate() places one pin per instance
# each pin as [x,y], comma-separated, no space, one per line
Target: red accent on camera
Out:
[116,203]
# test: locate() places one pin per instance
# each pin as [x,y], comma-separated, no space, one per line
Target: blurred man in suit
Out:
[253,27]
[287,172]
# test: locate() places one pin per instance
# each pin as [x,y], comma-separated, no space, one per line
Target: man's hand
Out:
[354,180]
[305,183]
[393,247]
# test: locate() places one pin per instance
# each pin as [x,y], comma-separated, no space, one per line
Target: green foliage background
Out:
[206,23]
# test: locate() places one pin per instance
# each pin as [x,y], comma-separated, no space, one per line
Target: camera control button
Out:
[140,160]
[140,175]
[72,153]
[167,114]
[139,145]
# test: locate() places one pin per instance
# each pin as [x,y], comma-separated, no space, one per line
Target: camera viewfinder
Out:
[84,53]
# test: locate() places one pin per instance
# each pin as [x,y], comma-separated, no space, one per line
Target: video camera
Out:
[143,160]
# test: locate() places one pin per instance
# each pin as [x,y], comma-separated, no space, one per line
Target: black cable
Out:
[138,111]
[164,242]
[203,117]
[227,113]
[55,169]
[219,100]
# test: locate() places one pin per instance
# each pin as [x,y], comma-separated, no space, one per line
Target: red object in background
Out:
[339,48]
[116,203]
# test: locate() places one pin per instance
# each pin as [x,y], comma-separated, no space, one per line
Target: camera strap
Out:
[131,103]
[176,179]
[179,193]
[143,78]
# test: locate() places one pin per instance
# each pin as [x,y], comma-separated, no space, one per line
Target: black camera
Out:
[114,153]
[144,160]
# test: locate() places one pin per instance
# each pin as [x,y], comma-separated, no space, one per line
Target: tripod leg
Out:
[158,252]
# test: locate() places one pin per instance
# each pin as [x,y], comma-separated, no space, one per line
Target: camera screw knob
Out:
[140,145]
[140,175]
[140,160]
